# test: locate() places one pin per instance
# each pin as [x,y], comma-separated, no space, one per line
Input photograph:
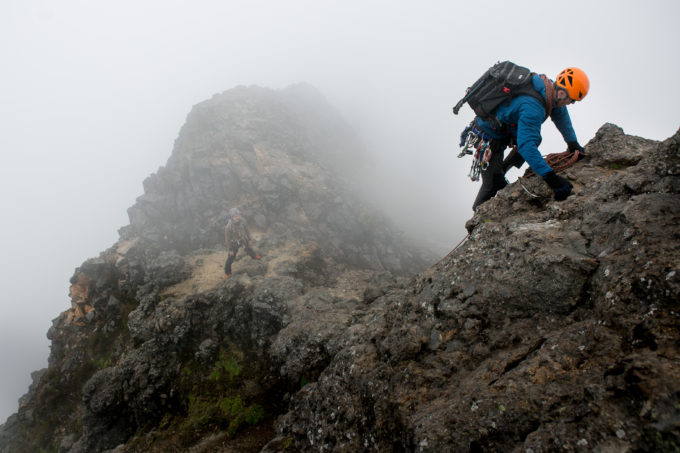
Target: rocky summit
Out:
[552,327]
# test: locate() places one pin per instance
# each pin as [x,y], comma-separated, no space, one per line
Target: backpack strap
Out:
[529,90]
[549,94]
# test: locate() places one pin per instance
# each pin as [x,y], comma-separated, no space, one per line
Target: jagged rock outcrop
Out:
[554,327]
[159,350]
[285,159]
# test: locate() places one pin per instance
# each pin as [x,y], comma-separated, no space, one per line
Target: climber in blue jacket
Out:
[521,120]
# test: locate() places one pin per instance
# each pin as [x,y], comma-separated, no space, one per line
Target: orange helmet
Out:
[575,81]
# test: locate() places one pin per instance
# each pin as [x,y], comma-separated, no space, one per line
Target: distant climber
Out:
[236,235]
[516,120]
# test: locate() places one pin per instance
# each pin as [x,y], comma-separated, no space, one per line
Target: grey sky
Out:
[92,96]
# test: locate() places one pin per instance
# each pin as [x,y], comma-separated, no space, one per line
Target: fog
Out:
[93,95]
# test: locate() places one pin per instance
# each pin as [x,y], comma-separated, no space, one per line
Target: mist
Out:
[94,95]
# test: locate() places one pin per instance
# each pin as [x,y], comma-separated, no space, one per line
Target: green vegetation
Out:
[226,367]
[229,412]
[659,442]
[57,401]
[51,450]
[213,398]
[287,443]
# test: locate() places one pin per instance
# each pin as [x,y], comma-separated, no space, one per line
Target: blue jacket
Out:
[523,118]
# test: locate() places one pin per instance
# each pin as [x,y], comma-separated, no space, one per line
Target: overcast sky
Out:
[93,94]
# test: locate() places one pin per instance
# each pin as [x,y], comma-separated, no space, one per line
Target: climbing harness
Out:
[475,143]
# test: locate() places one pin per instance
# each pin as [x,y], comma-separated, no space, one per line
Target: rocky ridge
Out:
[554,327]
[157,340]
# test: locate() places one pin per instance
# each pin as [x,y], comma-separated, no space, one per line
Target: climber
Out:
[519,123]
[236,234]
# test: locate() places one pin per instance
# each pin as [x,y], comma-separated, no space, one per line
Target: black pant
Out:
[493,178]
[233,249]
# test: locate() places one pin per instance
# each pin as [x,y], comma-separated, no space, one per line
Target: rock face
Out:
[554,327]
[159,350]
[285,159]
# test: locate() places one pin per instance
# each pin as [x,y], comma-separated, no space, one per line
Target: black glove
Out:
[574,146]
[559,185]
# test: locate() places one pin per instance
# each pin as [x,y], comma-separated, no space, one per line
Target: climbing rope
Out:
[558,161]
[531,194]
[454,249]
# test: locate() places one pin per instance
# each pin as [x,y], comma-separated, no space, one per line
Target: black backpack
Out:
[500,83]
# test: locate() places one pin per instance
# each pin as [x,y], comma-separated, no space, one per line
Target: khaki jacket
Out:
[237,232]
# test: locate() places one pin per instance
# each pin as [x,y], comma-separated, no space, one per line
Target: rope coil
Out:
[558,161]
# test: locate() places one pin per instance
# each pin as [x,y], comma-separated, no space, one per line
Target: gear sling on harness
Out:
[476,143]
